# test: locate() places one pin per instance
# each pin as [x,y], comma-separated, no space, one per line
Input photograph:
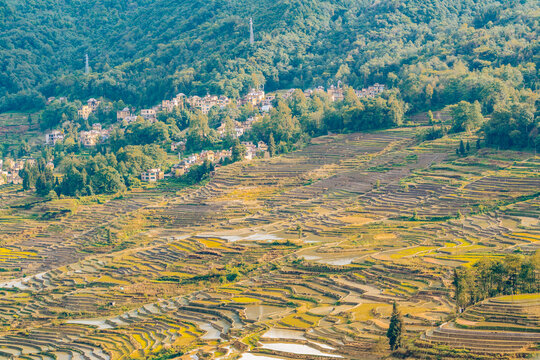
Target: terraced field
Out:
[298,256]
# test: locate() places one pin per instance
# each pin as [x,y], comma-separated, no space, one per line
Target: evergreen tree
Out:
[461,148]
[271,145]
[430,117]
[43,185]
[238,151]
[468,146]
[395,329]
[29,175]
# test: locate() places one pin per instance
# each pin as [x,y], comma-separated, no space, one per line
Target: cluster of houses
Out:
[91,137]
[239,128]
[337,93]
[125,115]
[255,97]
[215,157]
[128,116]
[187,162]
[10,169]
[204,104]
[94,136]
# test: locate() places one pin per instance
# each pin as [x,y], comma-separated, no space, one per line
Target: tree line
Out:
[489,277]
[94,174]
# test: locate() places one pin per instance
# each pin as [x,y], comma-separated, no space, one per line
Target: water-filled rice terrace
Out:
[300,256]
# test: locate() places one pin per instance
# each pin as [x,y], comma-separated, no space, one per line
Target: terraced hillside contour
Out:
[509,324]
[297,255]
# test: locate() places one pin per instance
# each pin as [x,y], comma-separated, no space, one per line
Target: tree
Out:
[430,118]
[466,116]
[43,185]
[230,133]
[512,125]
[107,180]
[461,148]
[395,329]
[271,145]
[73,182]
[429,93]
[299,230]
[238,150]
[29,175]
[298,103]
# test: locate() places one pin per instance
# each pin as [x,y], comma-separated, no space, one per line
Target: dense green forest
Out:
[479,57]
[142,51]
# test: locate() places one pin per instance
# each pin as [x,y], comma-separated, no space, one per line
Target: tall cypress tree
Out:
[271,145]
[461,148]
[395,329]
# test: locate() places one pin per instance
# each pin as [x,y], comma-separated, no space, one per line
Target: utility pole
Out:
[251,36]
[87,66]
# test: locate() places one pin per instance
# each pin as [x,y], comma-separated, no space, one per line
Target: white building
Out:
[53,137]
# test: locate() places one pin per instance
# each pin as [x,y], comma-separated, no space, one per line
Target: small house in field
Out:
[53,137]
[261,146]
[178,146]
[148,114]
[207,155]
[122,114]
[152,175]
[85,112]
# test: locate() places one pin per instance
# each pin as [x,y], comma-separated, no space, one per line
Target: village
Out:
[257,98]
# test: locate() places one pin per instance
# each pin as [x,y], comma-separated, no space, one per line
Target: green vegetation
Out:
[514,274]
[361,202]
[97,174]
[395,329]
[196,47]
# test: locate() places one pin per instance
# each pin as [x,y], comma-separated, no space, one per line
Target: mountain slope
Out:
[144,50]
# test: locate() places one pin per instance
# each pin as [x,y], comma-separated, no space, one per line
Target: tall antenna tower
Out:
[251,37]
[87,66]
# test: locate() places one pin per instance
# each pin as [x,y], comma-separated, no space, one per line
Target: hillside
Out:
[142,51]
[360,180]
[299,254]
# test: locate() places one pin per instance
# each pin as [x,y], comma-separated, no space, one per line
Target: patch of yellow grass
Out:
[526,236]
[249,193]
[301,320]
[364,312]
[244,299]
[519,297]
[8,254]
[384,236]
[211,243]
[469,259]
[411,251]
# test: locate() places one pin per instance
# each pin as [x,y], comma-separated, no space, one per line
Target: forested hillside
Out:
[141,50]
